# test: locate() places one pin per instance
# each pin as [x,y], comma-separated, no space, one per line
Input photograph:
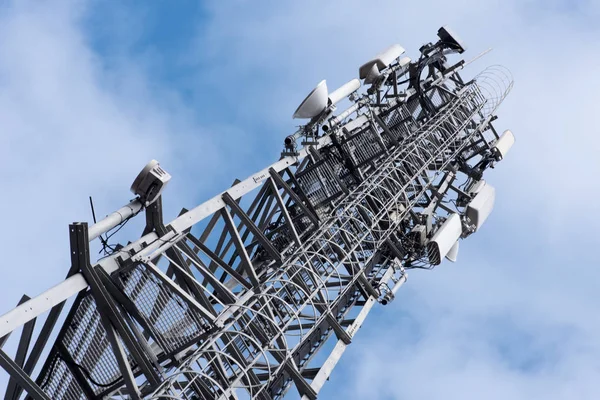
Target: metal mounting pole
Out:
[114,219]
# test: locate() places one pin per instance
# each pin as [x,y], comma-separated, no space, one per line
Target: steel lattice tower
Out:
[239,297]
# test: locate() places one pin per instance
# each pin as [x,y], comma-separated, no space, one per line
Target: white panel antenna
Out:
[504,144]
[453,253]
[444,239]
[481,206]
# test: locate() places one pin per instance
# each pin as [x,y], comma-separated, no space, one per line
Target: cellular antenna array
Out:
[259,290]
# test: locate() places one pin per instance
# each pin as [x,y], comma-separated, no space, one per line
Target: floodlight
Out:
[314,103]
[371,70]
[503,145]
[481,206]
[451,39]
[150,183]
[444,239]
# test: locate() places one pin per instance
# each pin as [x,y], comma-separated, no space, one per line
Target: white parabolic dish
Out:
[314,103]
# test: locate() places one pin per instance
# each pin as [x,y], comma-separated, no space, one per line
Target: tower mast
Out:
[240,296]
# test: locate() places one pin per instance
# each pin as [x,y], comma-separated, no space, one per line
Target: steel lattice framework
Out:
[262,288]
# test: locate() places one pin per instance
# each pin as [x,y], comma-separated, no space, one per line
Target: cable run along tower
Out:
[257,292]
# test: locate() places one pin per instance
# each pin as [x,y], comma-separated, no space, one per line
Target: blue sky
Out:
[90,92]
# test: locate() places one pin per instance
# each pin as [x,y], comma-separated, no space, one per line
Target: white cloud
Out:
[74,126]
[479,330]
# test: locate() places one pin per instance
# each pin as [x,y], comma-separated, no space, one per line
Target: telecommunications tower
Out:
[259,290]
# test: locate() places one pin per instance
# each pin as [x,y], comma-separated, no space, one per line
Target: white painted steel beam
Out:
[76,283]
[339,348]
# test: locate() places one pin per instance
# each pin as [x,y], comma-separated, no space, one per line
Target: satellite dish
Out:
[371,70]
[314,103]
